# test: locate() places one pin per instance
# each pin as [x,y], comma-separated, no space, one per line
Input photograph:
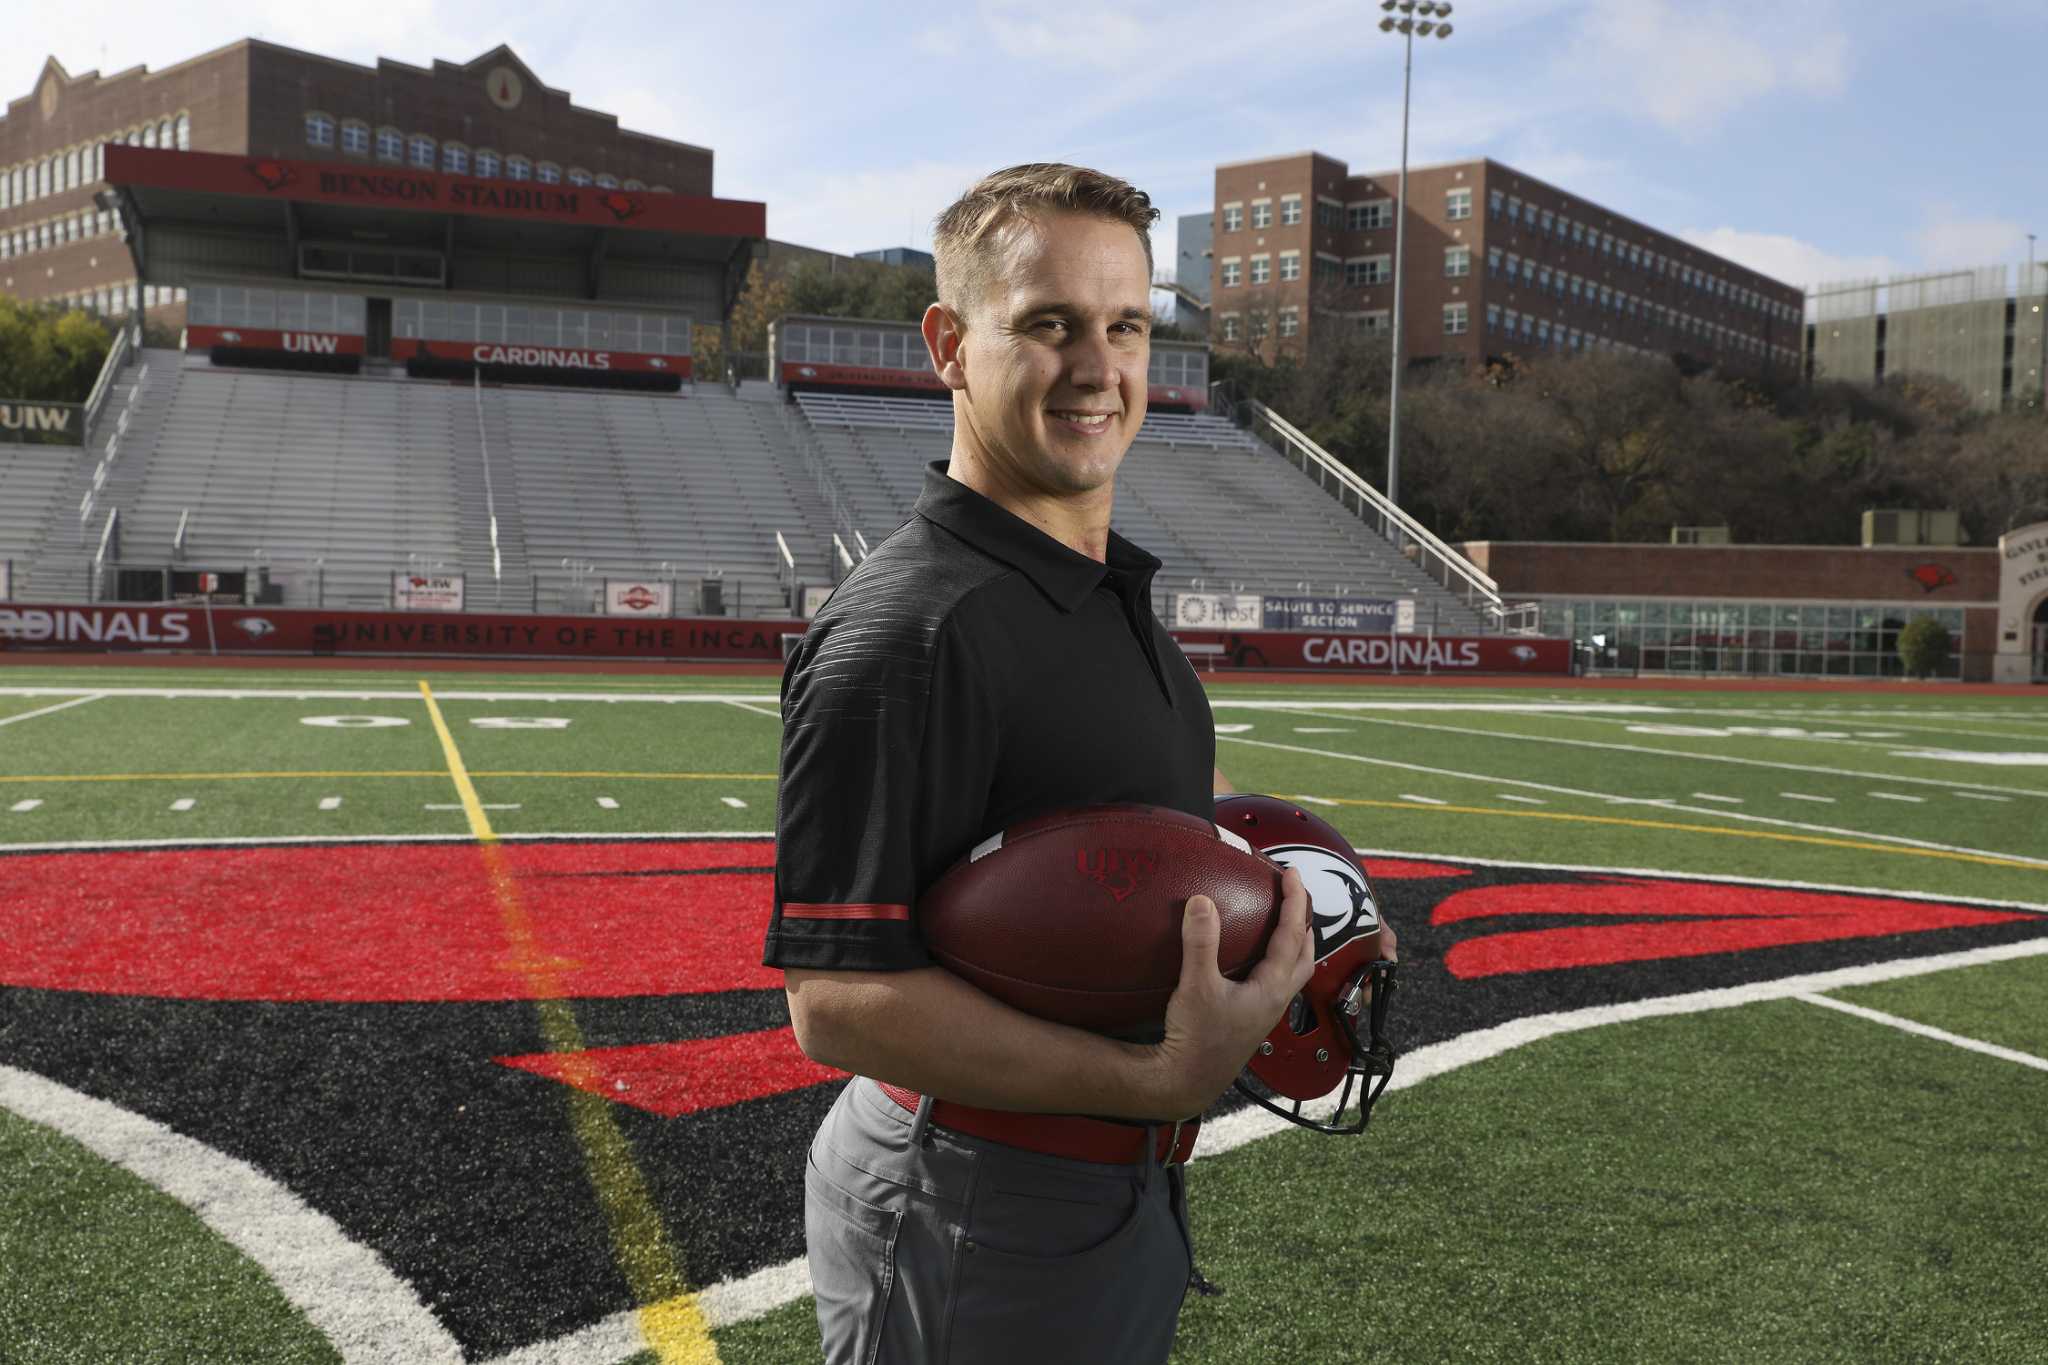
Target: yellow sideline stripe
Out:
[1773,835]
[671,1318]
[361,772]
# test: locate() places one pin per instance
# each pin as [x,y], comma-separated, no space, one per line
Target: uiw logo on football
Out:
[1119,871]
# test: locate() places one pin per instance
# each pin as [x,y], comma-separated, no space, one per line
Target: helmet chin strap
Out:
[1370,1066]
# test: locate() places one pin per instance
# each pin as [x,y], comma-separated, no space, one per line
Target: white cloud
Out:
[867,210]
[1787,259]
[1688,67]
[1951,241]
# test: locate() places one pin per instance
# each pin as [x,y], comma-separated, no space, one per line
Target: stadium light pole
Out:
[1408,26]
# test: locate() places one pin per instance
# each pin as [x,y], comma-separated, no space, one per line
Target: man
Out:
[995,659]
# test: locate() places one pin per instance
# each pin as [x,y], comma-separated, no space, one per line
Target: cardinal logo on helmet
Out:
[1340,906]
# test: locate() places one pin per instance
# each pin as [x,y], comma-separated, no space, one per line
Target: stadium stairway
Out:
[1223,511]
[58,563]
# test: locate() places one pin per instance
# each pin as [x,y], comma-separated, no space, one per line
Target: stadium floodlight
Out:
[1407,28]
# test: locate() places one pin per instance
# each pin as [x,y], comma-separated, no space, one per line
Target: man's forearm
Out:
[932,1032]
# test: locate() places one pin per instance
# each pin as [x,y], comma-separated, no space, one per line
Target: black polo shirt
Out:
[971,673]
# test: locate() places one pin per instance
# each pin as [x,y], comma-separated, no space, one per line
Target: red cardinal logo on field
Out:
[623,206]
[273,175]
[1931,576]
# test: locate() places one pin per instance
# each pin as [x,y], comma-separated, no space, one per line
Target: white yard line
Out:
[1525,800]
[734,802]
[1802,796]
[1424,800]
[607,803]
[1686,754]
[183,803]
[774,715]
[1611,799]
[26,805]
[50,710]
[1980,796]
[1898,796]
[1928,1031]
[1725,800]
[330,803]
[351,1297]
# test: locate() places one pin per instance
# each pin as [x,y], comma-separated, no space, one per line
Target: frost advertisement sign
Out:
[632,597]
[1351,614]
[1217,611]
[426,592]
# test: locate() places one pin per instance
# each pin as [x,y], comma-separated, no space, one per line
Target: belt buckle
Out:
[1173,1157]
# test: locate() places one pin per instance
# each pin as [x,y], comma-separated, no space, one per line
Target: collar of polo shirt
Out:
[1064,575]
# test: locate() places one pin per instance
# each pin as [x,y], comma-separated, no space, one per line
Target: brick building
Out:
[1498,262]
[488,118]
[1820,611]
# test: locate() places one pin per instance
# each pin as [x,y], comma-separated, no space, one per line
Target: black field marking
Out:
[461,1174]
[465,1177]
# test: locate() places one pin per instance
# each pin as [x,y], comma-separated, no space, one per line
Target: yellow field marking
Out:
[427,772]
[671,1318]
[1857,844]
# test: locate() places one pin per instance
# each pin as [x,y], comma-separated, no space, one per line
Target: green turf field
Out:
[1763,1177]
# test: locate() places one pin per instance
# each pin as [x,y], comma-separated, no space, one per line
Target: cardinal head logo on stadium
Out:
[272,175]
[1931,576]
[256,626]
[623,206]
[638,598]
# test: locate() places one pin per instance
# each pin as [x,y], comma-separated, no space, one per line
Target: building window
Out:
[1458,204]
[1329,215]
[319,130]
[1376,323]
[518,168]
[578,176]
[454,158]
[1606,244]
[1262,213]
[548,173]
[1369,217]
[184,130]
[1457,261]
[1549,223]
[422,148]
[607,182]
[1493,261]
[1290,322]
[1233,217]
[1290,210]
[1456,317]
[1290,266]
[1231,329]
[355,137]
[486,163]
[1258,328]
[1528,270]
[1493,203]
[1529,214]
[1232,274]
[1369,270]
[390,145]
[1493,317]
[1262,269]
[149,135]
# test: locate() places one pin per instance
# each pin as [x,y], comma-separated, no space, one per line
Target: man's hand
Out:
[1214,1024]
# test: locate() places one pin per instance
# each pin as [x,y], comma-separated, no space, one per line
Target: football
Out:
[1075,916]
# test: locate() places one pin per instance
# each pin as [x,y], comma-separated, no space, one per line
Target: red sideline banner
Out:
[271,630]
[270,339]
[882,377]
[544,357]
[1380,653]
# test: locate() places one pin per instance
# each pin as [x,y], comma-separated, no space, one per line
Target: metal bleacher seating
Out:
[329,482]
[1213,502]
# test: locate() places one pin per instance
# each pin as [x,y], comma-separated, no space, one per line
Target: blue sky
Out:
[1810,139]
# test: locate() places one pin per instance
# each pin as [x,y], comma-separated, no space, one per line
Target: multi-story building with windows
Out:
[1498,263]
[490,118]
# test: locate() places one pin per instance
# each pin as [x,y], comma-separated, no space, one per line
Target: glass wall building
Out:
[1783,639]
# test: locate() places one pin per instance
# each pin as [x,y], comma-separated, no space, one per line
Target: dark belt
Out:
[1064,1135]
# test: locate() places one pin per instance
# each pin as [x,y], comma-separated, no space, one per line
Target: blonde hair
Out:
[965,238]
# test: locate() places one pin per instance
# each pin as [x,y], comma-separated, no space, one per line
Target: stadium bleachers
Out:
[1217,506]
[335,482]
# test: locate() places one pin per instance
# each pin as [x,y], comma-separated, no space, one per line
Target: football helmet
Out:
[1317,1046]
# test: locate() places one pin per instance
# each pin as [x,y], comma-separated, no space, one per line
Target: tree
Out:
[49,354]
[1923,647]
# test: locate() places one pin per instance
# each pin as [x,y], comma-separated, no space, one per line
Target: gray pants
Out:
[955,1249]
